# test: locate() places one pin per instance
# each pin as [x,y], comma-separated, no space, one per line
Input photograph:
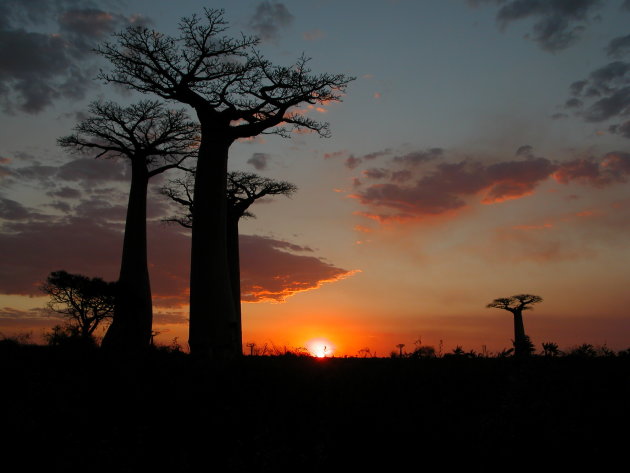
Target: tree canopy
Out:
[85,302]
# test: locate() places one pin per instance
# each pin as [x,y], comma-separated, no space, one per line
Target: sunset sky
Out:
[482,151]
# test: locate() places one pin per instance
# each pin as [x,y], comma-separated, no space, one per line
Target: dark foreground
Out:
[81,411]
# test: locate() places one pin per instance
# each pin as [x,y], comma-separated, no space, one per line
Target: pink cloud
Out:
[313,35]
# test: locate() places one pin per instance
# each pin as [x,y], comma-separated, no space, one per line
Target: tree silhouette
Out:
[516,305]
[243,189]
[85,302]
[154,140]
[400,347]
[236,93]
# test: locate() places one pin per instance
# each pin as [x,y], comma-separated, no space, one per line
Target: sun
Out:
[320,348]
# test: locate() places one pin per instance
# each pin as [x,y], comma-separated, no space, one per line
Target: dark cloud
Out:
[269,19]
[418,157]
[450,186]
[604,95]
[65,193]
[626,5]
[525,151]
[271,269]
[558,116]
[352,162]
[89,23]
[89,171]
[573,102]
[31,250]
[619,47]
[557,23]
[377,154]
[617,104]
[622,129]
[12,210]
[376,173]
[37,68]
[259,161]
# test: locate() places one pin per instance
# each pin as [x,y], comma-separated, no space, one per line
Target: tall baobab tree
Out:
[243,189]
[154,140]
[236,93]
[516,305]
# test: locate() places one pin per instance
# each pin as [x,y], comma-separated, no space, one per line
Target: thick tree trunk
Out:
[520,340]
[133,311]
[235,275]
[212,313]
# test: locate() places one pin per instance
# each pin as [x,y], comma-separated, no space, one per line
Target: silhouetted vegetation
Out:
[243,189]
[296,413]
[84,302]
[154,140]
[516,305]
[236,93]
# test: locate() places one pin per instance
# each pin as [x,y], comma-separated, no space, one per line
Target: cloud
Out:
[352,162]
[418,157]
[313,35]
[66,193]
[269,19]
[274,270]
[558,24]
[36,67]
[259,161]
[622,129]
[450,186]
[607,93]
[335,154]
[377,154]
[376,173]
[618,47]
[88,173]
[12,210]
[89,244]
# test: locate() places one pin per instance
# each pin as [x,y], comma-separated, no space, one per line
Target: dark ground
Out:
[69,410]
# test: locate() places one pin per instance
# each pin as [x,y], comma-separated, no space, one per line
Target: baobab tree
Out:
[243,189]
[84,302]
[236,93]
[154,140]
[516,305]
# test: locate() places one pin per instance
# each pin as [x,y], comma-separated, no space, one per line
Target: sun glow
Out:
[320,348]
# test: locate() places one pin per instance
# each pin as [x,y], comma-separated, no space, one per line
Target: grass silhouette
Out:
[297,413]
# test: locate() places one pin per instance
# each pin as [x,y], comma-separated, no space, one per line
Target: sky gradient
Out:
[482,151]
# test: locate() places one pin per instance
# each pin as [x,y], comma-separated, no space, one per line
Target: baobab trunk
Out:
[212,313]
[235,275]
[133,310]
[520,339]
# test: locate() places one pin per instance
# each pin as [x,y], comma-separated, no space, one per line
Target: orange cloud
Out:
[275,269]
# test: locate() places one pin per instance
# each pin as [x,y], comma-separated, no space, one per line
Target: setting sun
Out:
[320,348]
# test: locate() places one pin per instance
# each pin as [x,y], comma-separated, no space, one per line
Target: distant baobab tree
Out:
[236,93]
[243,189]
[84,302]
[516,305]
[400,347]
[154,140]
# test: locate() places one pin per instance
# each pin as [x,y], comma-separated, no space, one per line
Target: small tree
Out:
[154,140]
[236,93]
[516,305]
[85,302]
[243,189]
